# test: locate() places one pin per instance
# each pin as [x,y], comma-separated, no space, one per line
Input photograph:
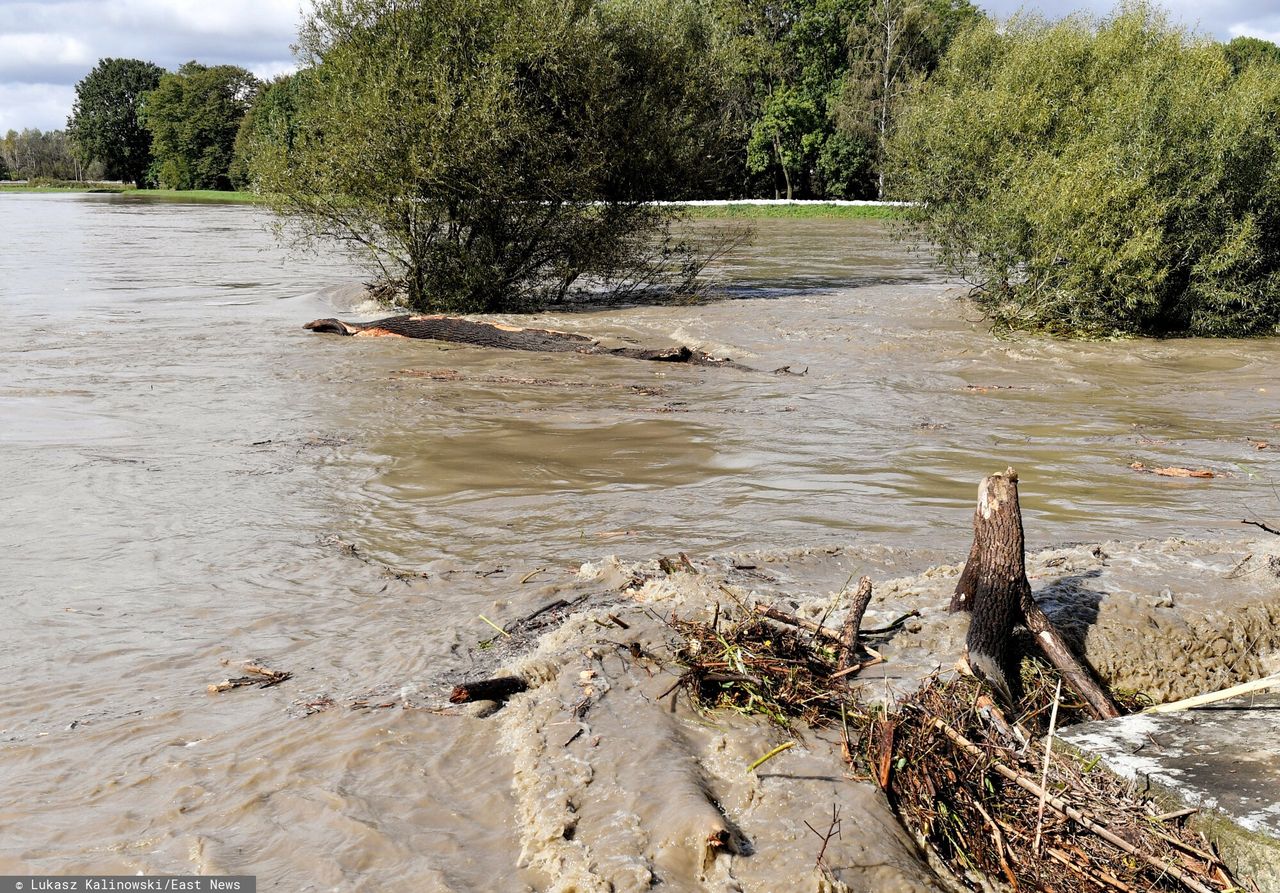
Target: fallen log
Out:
[994,588]
[498,689]
[455,330]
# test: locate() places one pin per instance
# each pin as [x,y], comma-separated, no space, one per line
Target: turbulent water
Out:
[191,480]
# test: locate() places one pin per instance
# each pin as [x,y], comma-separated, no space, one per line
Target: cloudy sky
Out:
[48,45]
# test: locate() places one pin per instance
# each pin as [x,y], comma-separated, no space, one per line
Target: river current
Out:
[191,480]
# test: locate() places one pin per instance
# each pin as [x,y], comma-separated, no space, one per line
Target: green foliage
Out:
[35,154]
[271,120]
[104,121]
[487,154]
[1100,177]
[193,117]
[1245,51]
[892,44]
[788,63]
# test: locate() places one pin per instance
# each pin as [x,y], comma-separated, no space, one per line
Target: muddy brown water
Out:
[191,480]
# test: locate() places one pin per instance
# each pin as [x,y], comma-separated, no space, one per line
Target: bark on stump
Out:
[993,587]
[853,624]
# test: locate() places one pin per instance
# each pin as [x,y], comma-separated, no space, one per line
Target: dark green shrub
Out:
[1096,178]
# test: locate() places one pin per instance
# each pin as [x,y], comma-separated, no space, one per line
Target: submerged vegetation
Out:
[1090,177]
[1098,178]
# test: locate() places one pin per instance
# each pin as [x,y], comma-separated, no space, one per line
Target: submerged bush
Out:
[485,155]
[1096,178]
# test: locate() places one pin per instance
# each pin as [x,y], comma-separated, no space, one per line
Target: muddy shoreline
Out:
[601,806]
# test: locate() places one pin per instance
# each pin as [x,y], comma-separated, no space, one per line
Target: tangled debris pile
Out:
[990,799]
[974,778]
[963,779]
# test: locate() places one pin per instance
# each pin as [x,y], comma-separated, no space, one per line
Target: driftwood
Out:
[852,624]
[993,587]
[482,334]
[1065,809]
[498,689]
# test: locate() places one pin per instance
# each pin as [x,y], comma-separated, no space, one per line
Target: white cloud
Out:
[21,50]
[265,71]
[1218,18]
[46,47]
[43,106]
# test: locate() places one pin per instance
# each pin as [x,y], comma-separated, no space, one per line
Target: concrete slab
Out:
[1223,758]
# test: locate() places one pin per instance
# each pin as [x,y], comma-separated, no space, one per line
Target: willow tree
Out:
[485,155]
[1098,177]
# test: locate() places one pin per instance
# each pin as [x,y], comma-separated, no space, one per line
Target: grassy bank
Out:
[798,210]
[200,196]
[207,196]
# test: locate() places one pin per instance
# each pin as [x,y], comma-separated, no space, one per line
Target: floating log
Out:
[498,689]
[993,587]
[482,334]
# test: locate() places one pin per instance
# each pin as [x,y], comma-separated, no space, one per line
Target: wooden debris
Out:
[994,588]
[1177,472]
[457,330]
[497,689]
[681,562]
[852,623]
[256,675]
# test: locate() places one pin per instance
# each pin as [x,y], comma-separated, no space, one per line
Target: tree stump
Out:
[993,587]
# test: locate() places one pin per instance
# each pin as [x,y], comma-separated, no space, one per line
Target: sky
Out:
[46,47]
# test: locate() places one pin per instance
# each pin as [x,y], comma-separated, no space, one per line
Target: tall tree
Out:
[484,155]
[892,44]
[791,57]
[193,117]
[104,119]
[1243,52]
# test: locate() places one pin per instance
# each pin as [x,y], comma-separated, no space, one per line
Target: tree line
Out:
[1090,176]
[804,91]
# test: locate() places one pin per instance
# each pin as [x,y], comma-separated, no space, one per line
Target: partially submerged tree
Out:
[193,117]
[104,121]
[485,155]
[1100,177]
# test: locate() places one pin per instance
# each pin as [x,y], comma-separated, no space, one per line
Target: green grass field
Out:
[207,196]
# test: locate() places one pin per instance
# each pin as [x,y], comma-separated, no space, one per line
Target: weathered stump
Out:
[993,587]
[853,624]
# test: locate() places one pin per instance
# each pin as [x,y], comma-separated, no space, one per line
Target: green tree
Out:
[271,120]
[1245,51]
[892,44]
[104,118]
[1100,177]
[34,153]
[789,63]
[484,154]
[193,117]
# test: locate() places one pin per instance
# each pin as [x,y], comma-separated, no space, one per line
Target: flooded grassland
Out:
[193,481]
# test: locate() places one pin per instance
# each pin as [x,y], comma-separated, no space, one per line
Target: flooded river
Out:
[191,480]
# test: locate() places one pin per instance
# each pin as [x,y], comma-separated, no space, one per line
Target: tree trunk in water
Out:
[498,689]
[482,334]
[993,587]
